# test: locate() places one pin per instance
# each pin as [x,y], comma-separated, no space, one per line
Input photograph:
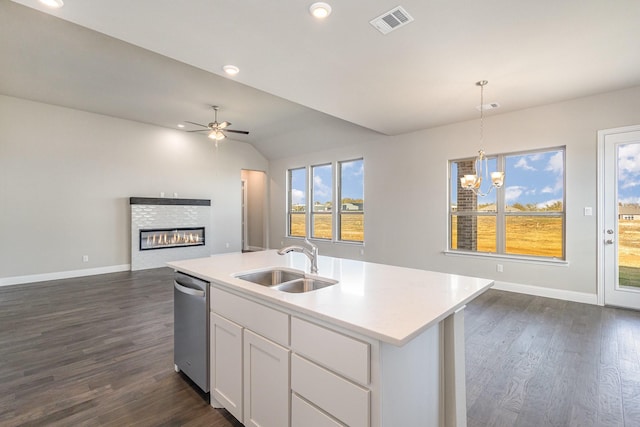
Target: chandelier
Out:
[481,164]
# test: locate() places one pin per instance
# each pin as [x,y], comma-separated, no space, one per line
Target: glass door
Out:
[620,236]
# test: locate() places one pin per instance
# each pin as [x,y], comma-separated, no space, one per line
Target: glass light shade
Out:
[497,178]
[470,181]
[217,135]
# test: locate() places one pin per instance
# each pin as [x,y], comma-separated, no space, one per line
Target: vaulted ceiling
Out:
[306,84]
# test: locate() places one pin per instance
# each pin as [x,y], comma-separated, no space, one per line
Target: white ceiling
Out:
[418,76]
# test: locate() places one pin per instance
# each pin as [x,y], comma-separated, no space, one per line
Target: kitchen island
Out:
[382,347]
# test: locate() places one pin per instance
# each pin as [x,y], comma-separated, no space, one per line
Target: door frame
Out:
[602,134]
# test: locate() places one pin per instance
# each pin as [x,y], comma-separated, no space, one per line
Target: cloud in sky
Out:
[297,197]
[523,164]
[320,189]
[556,163]
[513,192]
[546,203]
[628,161]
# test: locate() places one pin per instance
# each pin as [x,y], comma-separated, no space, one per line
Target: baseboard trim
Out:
[32,278]
[547,292]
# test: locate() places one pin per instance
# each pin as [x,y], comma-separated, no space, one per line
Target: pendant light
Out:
[473,182]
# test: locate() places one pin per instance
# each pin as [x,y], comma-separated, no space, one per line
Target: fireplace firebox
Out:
[164,238]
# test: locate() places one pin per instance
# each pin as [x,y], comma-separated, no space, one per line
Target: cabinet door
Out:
[266,382]
[226,364]
[304,414]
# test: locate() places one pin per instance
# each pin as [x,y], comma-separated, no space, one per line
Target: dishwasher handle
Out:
[189,291]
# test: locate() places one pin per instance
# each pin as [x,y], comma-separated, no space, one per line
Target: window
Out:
[351,218]
[322,201]
[335,204]
[524,218]
[297,202]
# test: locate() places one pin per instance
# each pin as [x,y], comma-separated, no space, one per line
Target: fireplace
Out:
[163,238]
[175,225]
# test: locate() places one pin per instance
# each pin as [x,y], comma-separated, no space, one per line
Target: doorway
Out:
[619,217]
[253,185]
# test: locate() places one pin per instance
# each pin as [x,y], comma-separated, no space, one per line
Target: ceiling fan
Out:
[216,130]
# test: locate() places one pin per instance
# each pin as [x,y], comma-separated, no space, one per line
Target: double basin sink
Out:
[286,280]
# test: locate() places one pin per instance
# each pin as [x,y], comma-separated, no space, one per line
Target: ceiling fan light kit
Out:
[320,10]
[215,128]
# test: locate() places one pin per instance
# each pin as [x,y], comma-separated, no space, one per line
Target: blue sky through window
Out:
[530,179]
[352,179]
[629,173]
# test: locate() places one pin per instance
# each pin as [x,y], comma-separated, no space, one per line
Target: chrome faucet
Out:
[311,254]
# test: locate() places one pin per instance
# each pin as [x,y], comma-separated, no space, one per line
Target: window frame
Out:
[501,214]
[312,201]
[336,197]
[289,206]
[339,210]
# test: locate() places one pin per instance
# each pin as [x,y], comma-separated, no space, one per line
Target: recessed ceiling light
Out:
[55,4]
[320,10]
[232,70]
[180,125]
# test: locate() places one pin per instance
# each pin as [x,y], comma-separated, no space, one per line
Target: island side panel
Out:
[411,387]
[455,390]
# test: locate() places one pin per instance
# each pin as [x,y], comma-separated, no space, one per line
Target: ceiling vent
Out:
[391,20]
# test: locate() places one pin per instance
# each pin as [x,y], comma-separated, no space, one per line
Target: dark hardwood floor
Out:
[99,351]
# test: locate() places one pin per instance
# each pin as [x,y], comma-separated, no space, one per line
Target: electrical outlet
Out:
[85,258]
[227,244]
[499,268]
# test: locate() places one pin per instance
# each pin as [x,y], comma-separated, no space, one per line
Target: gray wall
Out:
[406,189]
[66,176]
[256,187]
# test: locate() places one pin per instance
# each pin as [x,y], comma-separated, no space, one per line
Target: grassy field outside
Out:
[526,235]
[629,253]
[352,226]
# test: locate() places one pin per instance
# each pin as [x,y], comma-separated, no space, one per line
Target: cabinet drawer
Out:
[343,399]
[340,353]
[304,414]
[269,323]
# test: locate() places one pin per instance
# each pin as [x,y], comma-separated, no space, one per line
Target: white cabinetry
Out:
[249,371]
[266,382]
[226,364]
[331,372]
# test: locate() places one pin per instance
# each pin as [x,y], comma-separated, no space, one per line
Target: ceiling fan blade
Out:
[244,132]
[223,125]
[197,124]
[198,130]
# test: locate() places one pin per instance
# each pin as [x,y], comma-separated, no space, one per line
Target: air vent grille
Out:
[391,20]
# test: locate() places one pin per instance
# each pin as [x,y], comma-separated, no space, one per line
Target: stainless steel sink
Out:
[303,285]
[286,280]
[270,277]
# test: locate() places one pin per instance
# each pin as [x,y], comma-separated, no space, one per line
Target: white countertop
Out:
[387,303]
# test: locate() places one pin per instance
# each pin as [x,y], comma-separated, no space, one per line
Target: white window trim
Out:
[500,213]
[336,197]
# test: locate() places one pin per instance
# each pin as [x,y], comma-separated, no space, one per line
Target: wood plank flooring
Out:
[535,361]
[98,351]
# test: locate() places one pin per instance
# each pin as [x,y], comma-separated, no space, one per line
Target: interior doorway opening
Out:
[253,187]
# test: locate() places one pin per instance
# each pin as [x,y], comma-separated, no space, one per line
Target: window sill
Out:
[339,242]
[523,259]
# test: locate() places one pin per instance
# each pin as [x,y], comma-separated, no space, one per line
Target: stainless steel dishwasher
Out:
[191,328]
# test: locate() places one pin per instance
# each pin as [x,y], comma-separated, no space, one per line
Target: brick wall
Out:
[467,201]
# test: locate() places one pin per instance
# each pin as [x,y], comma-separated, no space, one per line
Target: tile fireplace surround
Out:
[167,213]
